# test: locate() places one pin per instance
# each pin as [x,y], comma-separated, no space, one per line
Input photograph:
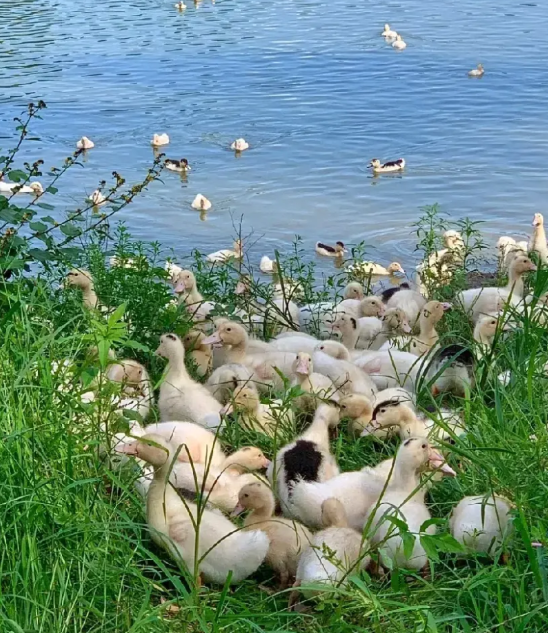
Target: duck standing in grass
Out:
[330,251]
[180,166]
[387,168]
[477,72]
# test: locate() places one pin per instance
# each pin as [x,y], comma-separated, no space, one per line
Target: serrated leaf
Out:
[115,317]
[45,206]
[41,255]
[39,227]
[16,175]
[70,230]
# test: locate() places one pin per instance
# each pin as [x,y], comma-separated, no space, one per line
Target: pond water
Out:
[316,92]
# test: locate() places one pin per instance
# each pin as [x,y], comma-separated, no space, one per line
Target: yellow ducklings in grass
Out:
[252,414]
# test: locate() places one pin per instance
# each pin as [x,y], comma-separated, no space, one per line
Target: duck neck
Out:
[428,330]
[238,352]
[192,296]
[539,237]
[350,337]
[89,297]
[259,515]
[480,337]
[176,368]
[404,477]
[515,283]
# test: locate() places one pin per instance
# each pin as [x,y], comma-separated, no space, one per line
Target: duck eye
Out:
[424,445]
[383,410]
[246,496]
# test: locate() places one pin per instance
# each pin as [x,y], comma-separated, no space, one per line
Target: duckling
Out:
[181,397]
[287,538]
[388,32]
[399,44]
[508,249]
[334,553]
[346,376]
[136,393]
[366,269]
[307,458]
[201,355]
[173,271]
[404,499]
[478,302]
[14,187]
[226,254]
[320,316]
[97,198]
[331,251]
[82,279]
[186,288]
[389,167]
[319,387]
[240,145]
[372,307]
[477,72]
[218,550]
[85,143]
[268,265]
[358,409]
[394,324]
[226,379]
[410,301]
[181,6]
[440,265]
[348,327]
[252,414]
[481,524]
[452,370]
[391,368]
[158,140]
[181,166]
[201,203]
[537,243]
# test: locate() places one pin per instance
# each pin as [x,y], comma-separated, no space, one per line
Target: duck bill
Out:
[406,328]
[447,306]
[437,462]
[266,462]
[214,340]
[303,367]
[532,267]
[179,288]
[127,449]
[237,511]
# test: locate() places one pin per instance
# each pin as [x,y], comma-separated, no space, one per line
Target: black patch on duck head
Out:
[171,337]
[302,462]
[382,405]
[341,244]
[460,354]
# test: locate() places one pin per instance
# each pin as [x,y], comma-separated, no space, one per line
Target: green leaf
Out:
[408,543]
[52,189]
[135,345]
[48,219]
[11,263]
[429,544]
[45,205]
[430,522]
[446,543]
[115,317]
[39,227]
[103,347]
[17,175]
[11,215]
[70,230]
[40,255]
[399,523]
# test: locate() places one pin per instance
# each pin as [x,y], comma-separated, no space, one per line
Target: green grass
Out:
[75,554]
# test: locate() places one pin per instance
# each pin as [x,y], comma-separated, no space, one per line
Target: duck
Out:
[240,145]
[307,458]
[408,300]
[333,554]
[346,376]
[481,524]
[136,394]
[358,409]
[181,397]
[388,32]
[85,143]
[431,314]
[226,379]
[477,302]
[158,140]
[83,280]
[181,6]
[439,265]
[201,203]
[477,72]
[218,553]
[317,386]
[399,44]
[97,198]
[186,287]
[508,248]
[34,188]
[537,243]
[182,166]
[331,251]
[225,255]
[385,397]
[347,326]
[391,368]
[254,415]
[394,323]
[268,265]
[366,269]
[201,355]
[387,168]
[452,370]
[173,271]
[288,539]
[404,499]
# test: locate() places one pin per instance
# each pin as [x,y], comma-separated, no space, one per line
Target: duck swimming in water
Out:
[388,32]
[330,251]
[477,72]
[384,168]
[399,44]
[160,139]
[177,165]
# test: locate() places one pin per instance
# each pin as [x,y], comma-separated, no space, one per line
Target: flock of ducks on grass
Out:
[362,359]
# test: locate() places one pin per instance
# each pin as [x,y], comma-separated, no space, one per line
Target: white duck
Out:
[226,379]
[388,32]
[267,265]
[307,458]
[240,145]
[346,376]
[334,553]
[186,287]
[479,71]
[478,302]
[366,269]
[404,499]
[320,316]
[181,166]
[82,279]
[388,167]
[318,386]
[180,5]
[481,524]
[394,323]
[34,188]
[391,368]
[158,140]
[219,549]
[452,370]
[85,143]
[201,203]
[182,398]
[537,243]
[257,416]
[97,198]
[136,394]
[410,301]
[399,44]
[225,255]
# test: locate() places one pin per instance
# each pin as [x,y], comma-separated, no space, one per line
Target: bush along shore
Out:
[273,501]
